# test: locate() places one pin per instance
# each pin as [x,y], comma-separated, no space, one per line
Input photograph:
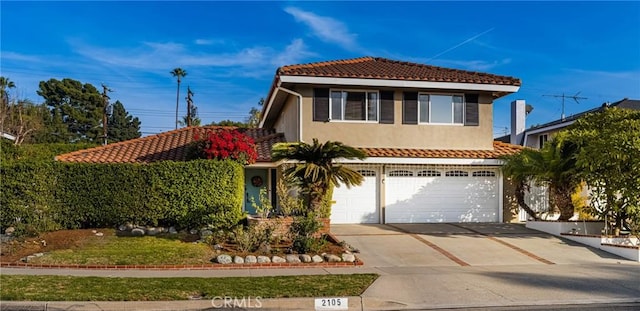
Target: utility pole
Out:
[575,97]
[105,98]
[189,104]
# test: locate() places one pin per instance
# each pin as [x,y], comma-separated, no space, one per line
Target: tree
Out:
[5,84]
[195,120]
[553,165]
[121,126]
[23,119]
[253,121]
[239,124]
[78,106]
[315,170]
[609,162]
[178,73]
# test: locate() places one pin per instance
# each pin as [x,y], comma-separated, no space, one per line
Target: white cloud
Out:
[294,53]
[325,28]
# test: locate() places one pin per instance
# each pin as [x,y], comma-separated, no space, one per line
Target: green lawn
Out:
[114,250]
[66,288]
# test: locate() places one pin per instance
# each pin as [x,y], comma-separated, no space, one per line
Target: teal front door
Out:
[254,180]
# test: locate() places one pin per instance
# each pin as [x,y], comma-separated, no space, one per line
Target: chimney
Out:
[518,114]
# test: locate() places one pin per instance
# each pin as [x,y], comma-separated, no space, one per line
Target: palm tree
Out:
[315,170]
[554,165]
[4,98]
[178,73]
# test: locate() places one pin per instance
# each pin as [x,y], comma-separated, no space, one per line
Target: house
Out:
[427,131]
[536,136]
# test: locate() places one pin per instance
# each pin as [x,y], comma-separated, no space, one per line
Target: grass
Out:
[67,288]
[115,250]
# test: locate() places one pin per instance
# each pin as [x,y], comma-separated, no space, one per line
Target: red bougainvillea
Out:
[226,144]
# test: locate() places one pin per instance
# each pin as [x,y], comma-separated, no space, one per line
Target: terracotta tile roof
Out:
[499,149]
[382,68]
[168,146]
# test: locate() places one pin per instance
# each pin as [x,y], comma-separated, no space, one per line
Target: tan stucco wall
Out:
[287,122]
[398,135]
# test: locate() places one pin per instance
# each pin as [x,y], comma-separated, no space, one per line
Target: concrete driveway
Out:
[472,244]
[432,266]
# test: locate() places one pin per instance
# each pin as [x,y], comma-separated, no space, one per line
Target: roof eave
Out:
[496,88]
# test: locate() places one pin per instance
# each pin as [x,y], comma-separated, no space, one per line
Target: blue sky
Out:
[231,50]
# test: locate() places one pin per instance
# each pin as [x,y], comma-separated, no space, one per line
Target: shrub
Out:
[71,195]
[225,144]
[252,238]
[303,230]
[289,203]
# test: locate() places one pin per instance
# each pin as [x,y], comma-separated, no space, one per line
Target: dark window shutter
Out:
[471,110]
[321,105]
[410,108]
[386,107]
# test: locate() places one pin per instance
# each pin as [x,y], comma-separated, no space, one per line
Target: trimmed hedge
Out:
[36,152]
[71,195]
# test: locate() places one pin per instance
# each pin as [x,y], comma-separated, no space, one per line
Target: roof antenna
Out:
[575,97]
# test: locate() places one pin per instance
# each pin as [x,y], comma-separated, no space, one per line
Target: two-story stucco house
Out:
[427,131]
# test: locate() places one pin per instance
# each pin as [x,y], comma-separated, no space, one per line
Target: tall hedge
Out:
[184,194]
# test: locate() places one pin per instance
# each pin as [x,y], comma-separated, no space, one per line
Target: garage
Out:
[436,194]
[357,204]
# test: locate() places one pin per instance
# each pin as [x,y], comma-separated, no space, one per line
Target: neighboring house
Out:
[427,131]
[536,136]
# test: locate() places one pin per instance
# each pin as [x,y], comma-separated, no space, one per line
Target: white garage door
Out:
[357,205]
[440,195]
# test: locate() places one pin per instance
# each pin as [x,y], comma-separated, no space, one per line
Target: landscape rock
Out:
[223,259]
[264,259]
[305,258]
[137,231]
[94,231]
[348,257]
[332,258]
[193,231]
[123,228]
[217,247]
[172,230]
[278,259]
[238,259]
[205,233]
[38,254]
[317,258]
[293,258]
[153,231]
[9,231]
[97,234]
[251,259]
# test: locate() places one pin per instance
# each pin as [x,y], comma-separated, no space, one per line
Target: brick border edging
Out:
[341,264]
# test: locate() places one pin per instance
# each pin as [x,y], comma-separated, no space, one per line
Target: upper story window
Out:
[353,105]
[427,108]
[446,109]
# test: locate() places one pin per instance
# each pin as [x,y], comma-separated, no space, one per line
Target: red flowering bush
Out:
[226,144]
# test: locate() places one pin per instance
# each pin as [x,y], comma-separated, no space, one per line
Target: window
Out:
[447,109]
[400,173]
[367,173]
[428,173]
[456,174]
[353,105]
[425,108]
[542,139]
[484,174]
